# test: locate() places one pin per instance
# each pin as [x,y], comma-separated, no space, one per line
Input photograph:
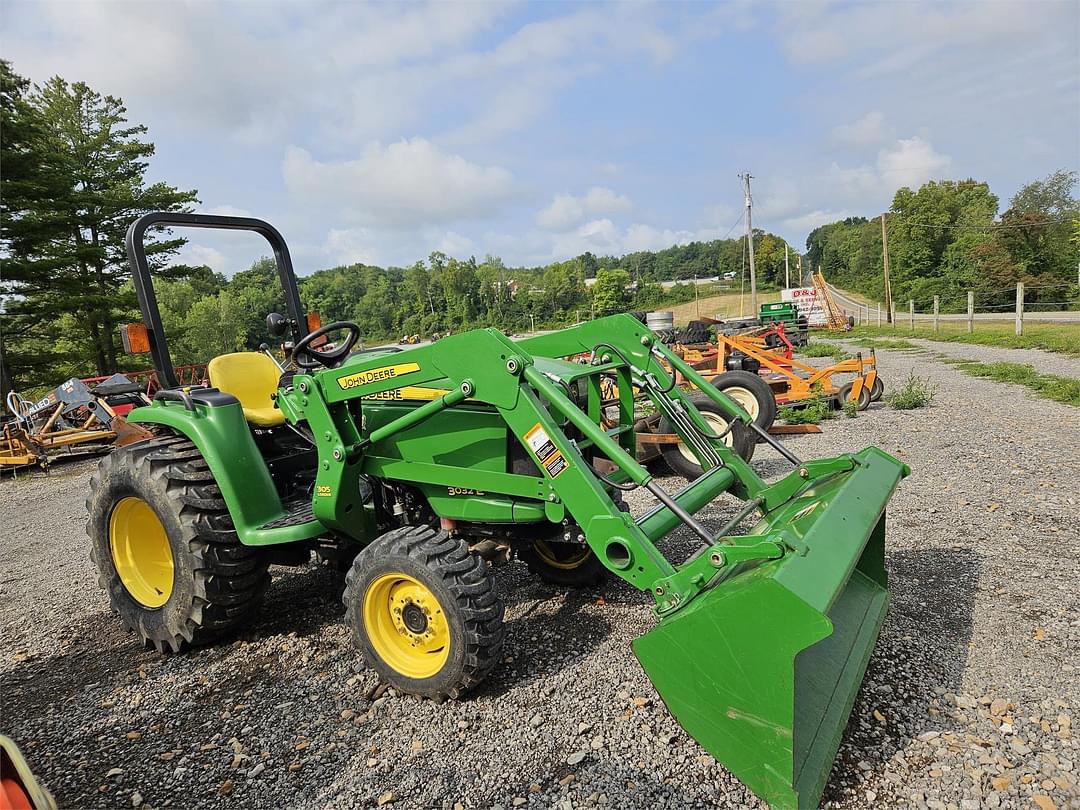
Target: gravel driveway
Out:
[1043,362]
[969,700]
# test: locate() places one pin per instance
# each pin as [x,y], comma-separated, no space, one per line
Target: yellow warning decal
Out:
[323,491]
[546,451]
[409,392]
[376,375]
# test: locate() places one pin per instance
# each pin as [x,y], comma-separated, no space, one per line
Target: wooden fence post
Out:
[1019,307]
[911,313]
[971,312]
[937,302]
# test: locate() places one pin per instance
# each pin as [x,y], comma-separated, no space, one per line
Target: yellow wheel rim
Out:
[569,562]
[406,625]
[141,552]
[717,425]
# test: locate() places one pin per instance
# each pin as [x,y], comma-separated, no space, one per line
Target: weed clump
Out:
[916,392]
[816,409]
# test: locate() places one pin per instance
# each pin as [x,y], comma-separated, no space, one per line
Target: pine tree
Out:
[63,229]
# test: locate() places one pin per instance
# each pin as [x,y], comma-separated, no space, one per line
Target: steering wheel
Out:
[305,356]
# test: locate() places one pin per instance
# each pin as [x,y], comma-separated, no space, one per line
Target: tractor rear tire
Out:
[740,438]
[566,564]
[424,612]
[752,393]
[165,548]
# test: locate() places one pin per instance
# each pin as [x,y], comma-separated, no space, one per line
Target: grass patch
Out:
[851,409]
[916,392]
[816,409]
[887,343]
[1048,386]
[1063,338]
[823,348]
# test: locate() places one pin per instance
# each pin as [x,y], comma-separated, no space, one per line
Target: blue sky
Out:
[534,132]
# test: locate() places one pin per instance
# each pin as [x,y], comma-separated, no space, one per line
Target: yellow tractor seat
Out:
[252,378]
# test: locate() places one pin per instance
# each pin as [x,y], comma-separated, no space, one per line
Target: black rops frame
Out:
[144,284]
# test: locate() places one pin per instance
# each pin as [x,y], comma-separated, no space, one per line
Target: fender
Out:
[216,425]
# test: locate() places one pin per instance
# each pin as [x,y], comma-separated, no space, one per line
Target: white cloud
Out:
[867,132]
[405,184]
[604,237]
[350,246]
[805,223]
[566,210]
[454,244]
[911,162]
[198,255]
[894,37]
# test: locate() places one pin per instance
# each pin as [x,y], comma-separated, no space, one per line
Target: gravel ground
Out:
[1045,362]
[969,699]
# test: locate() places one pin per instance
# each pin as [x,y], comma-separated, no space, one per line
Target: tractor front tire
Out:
[740,438]
[165,548]
[424,612]
[565,564]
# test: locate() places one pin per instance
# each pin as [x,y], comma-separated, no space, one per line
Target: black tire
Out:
[565,564]
[741,385]
[464,601]
[877,391]
[694,332]
[739,438]
[217,582]
[845,391]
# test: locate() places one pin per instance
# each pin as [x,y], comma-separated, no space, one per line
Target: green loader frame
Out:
[478,442]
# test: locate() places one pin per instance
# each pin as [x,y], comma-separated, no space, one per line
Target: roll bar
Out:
[144,284]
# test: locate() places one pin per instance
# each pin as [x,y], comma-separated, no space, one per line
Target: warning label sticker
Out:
[545,450]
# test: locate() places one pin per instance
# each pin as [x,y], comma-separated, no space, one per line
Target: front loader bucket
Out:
[763,669]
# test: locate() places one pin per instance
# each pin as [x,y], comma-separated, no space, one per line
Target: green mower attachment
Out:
[423,465]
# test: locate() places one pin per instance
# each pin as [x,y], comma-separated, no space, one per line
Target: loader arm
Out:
[764,632]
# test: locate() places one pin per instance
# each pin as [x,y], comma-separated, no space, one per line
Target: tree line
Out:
[946,238]
[73,179]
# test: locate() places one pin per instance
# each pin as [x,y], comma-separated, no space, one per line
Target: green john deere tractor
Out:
[420,467]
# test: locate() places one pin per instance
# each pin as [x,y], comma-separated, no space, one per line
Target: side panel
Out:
[224,439]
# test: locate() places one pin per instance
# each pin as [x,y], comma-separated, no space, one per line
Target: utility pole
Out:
[799,257]
[787,270]
[746,178]
[885,259]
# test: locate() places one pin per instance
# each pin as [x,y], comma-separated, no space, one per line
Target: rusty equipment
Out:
[70,415]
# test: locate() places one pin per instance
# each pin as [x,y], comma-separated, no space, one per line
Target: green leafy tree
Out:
[609,291]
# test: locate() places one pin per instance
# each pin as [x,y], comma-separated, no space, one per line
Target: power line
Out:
[992,226]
